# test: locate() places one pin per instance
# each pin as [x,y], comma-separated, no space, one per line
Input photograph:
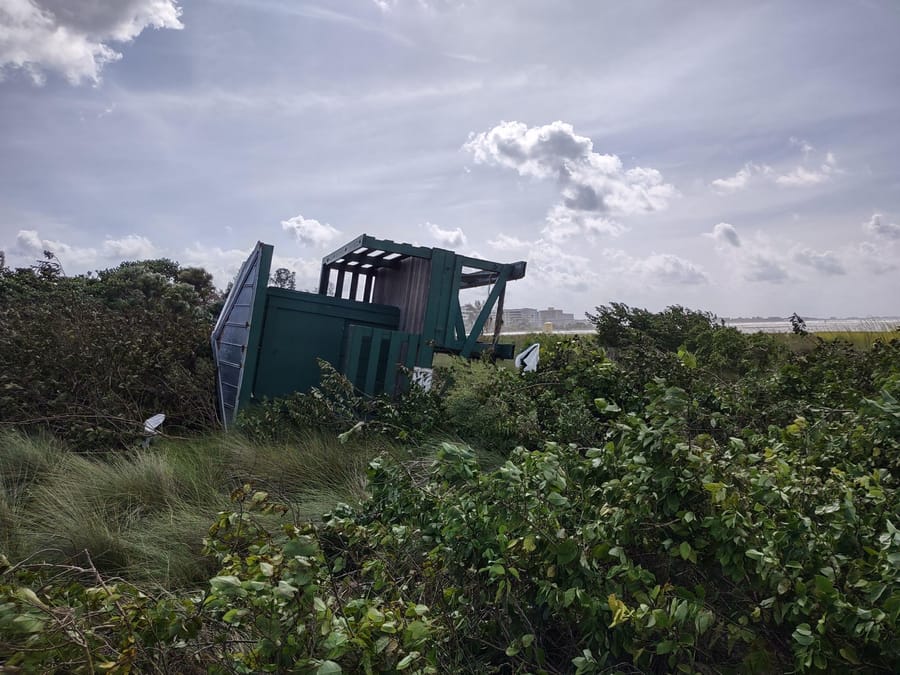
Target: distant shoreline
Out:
[870,325]
[816,325]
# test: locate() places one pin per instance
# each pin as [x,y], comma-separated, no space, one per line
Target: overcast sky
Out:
[737,157]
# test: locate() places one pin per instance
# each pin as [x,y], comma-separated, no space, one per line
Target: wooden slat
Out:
[460,323]
[357,333]
[354,285]
[367,291]
[393,360]
[359,242]
[324,278]
[378,336]
[339,286]
[499,287]
[515,270]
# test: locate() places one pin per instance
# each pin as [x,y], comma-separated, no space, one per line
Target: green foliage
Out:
[283,599]
[682,499]
[498,408]
[144,514]
[336,406]
[89,358]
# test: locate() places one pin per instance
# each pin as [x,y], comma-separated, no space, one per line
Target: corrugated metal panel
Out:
[407,288]
[231,334]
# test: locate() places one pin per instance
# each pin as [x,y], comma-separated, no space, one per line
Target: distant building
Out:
[530,319]
[555,316]
[522,318]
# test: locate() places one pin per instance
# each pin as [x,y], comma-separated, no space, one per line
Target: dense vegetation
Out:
[667,495]
[91,357]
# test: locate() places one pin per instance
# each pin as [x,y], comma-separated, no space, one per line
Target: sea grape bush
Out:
[90,357]
[766,553]
[699,506]
[282,601]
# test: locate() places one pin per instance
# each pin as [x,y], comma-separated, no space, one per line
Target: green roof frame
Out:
[443,330]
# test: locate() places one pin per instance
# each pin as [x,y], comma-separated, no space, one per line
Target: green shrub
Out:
[89,358]
[701,505]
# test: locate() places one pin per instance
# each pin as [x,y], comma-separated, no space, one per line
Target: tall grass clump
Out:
[23,460]
[144,514]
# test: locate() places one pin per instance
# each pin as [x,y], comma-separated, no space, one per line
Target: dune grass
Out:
[143,514]
[861,339]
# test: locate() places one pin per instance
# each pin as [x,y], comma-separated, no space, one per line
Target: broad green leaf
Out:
[665,647]
[407,660]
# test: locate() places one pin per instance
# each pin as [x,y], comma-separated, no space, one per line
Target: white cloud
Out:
[309,231]
[504,242]
[754,260]
[805,146]
[876,259]
[455,237]
[803,177]
[564,222]
[388,5]
[30,244]
[592,186]
[550,266]
[741,179]
[827,263]
[875,225]
[307,271]
[71,37]
[131,247]
[725,233]
[665,268]
[799,176]
[760,266]
[223,264]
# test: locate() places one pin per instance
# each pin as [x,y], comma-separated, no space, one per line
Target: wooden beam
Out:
[499,287]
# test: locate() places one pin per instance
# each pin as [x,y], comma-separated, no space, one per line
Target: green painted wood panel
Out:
[301,328]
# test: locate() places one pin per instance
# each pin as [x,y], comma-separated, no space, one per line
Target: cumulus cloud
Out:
[741,179]
[754,260]
[548,265]
[551,266]
[803,177]
[75,259]
[31,245]
[593,186]
[805,146]
[455,237]
[799,176]
[762,267]
[874,258]
[564,222]
[131,247]
[666,268]
[827,262]
[388,5]
[224,264]
[725,233]
[72,37]
[504,242]
[309,231]
[875,225]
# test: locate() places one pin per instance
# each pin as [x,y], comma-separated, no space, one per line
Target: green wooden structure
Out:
[382,309]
